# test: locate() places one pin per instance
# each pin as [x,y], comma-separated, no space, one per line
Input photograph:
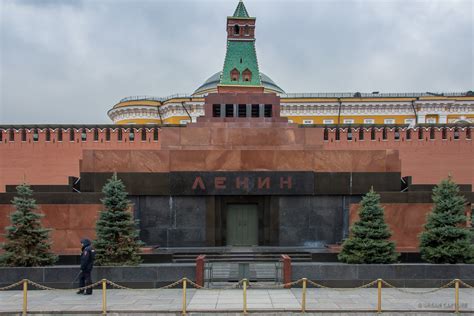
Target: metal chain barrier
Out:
[229,287]
[11,286]
[402,290]
[466,285]
[370,284]
[276,286]
[244,284]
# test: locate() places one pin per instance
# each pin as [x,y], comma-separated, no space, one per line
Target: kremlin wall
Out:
[291,167]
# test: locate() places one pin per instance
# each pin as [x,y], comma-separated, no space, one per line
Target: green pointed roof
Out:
[241,55]
[241,11]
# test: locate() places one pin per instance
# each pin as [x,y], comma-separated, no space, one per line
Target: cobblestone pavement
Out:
[170,300]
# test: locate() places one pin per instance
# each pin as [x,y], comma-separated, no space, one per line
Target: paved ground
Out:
[170,300]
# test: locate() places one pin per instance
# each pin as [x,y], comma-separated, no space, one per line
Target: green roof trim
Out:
[240,55]
[241,11]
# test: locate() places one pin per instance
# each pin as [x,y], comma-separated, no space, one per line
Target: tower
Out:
[240,73]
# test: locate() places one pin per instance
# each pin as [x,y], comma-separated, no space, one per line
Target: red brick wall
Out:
[53,162]
[426,160]
[69,223]
[405,221]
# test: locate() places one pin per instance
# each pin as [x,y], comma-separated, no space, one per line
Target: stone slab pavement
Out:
[221,301]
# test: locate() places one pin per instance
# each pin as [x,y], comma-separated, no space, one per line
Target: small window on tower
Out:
[242,110]
[216,110]
[229,110]
[246,30]
[236,30]
[255,110]
[234,74]
[247,75]
[267,110]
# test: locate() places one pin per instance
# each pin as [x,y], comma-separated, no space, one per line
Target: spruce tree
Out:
[117,240]
[368,241]
[444,239]
[27,243]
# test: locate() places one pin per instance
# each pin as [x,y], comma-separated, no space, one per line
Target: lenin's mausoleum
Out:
[240,162]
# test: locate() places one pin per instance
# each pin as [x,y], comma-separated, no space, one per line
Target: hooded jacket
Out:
[87,256]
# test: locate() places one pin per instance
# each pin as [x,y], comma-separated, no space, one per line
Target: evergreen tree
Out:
[445,240]
[117,240]
[27,242]
[368,241]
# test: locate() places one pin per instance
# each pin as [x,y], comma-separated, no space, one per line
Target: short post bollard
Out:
[104,297]
[379,295]
[183,312]
[303,298]
[25,297]
[245,296]
[456,295]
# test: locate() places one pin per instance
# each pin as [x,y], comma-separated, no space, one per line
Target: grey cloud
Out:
[70,61]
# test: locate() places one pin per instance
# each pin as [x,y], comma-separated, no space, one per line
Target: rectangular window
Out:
[267,110]
[184,122]
[60,134]
[348,121]
[409,121]
[308,122]
[155,134]
[369,121]
[328,121]
[107,134]
[290,121]
[389,121]
[119,135]
[216,110]
[255,110]
[431,120]
[242,110]
[229,110]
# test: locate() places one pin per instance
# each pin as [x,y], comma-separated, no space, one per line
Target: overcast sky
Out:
[70,61]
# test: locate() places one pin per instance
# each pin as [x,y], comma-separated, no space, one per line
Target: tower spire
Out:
[241,11]
[240,64]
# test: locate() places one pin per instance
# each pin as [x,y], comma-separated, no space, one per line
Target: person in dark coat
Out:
[87,263]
